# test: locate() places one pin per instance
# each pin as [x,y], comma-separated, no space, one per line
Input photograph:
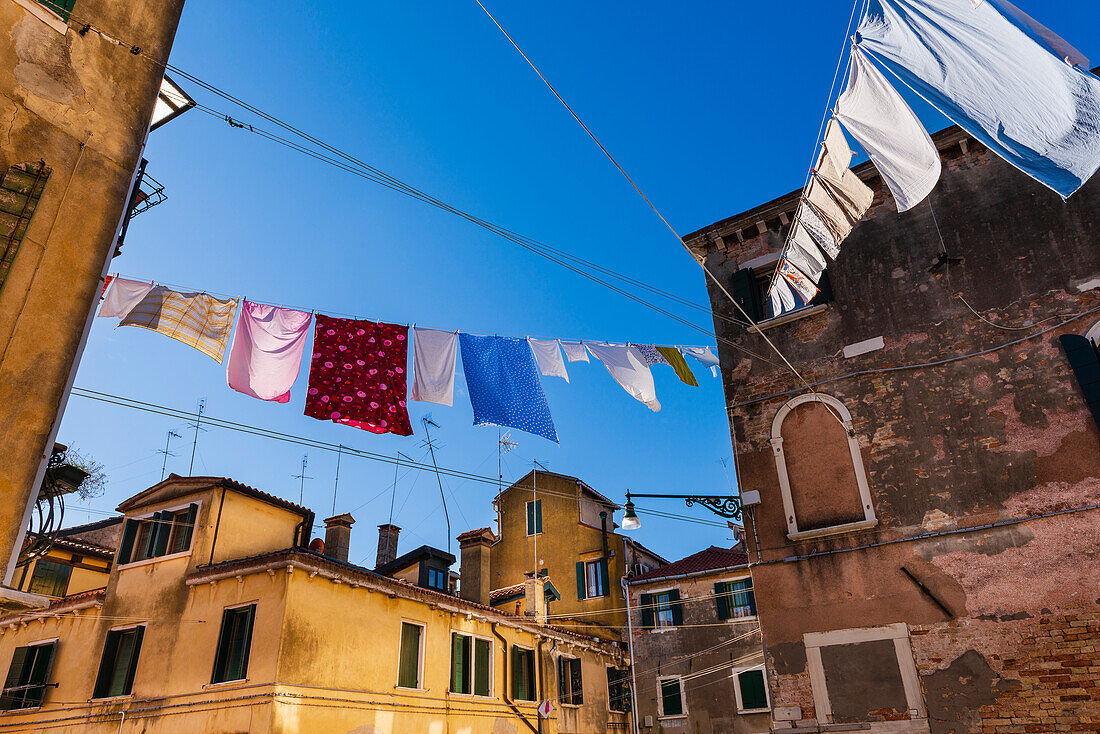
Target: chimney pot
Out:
[387,544]
[475,547]
[338,536]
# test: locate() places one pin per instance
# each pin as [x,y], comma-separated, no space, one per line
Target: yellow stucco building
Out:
[216,618]
[560,526]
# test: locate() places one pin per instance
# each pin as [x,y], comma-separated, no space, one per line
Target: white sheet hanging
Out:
[629,369]
[817,229]
[434,354]
[574,351]
[548,357]
[876,116]
[122,296]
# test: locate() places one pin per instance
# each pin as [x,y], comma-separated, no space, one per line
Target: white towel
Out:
[781,297]
[629,370]
[876,115]
[548,357]
[434,354]
[122,296]
[575,351]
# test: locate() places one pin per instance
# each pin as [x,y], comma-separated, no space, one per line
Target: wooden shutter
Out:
[605,579]
[126,547]
[677,607]
[563,681]
[582,587]
[751,684]
[1085,363]
[408,666]
[187,530]
[460,664]
[722,596]
[482,661]
[576,682]
[39,674]
[743,289]
[106,665]
[162,531]
[9,700]
[647,611]
[132,663]
[530,518]
[671,703]
[751,596]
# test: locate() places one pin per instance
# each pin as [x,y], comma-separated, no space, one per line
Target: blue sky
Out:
[711,106]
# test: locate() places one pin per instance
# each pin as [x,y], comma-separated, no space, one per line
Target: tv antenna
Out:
[302,477]
[197,425]
[504,445]
[427,421]
[166,452]
[396,466]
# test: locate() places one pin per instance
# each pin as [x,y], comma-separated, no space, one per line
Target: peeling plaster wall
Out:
[993,438]
[82,104]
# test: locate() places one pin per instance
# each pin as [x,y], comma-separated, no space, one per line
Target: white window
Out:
[751,690]
[670,697]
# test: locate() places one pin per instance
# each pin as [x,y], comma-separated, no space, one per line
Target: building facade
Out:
[217,618]
[697,662]
[75,105]
[925,540]
[564,528]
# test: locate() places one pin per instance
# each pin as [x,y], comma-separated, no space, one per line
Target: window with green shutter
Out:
[483,661]
[50,578]
[234,644]
[408,664]
[119,663]
[471,665]
[163,533]
[460,663]
[570,684]
[28,676]
[534,517]
[735,599]
[752,694]
[523,674]
[672,700]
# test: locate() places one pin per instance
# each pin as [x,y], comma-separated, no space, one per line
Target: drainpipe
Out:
[217,525]
[630,646]
[504,688]
[538,680]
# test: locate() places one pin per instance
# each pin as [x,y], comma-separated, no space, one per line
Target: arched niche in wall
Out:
[821,473]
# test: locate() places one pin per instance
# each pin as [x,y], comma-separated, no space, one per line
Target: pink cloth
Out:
[267,351]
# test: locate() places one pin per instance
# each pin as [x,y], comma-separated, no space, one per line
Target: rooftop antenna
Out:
[336,485]
[504,445]
[396,466]
[197,425]
[166,452]
[427,421]
[303,478]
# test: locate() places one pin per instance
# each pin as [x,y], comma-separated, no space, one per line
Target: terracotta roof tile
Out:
[710,559]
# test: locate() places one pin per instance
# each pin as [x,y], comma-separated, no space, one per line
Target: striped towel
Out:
[196,319]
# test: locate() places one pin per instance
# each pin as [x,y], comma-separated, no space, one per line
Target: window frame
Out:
[146,521]
[474,639]
[576,698]
[730,595]
[648,607]
[533,519]
[593,574]
[869,520]
[34,574]
[627,698]
[532,682]
[248,645]
[661,697]
[131,676]
[51,642]
[419,654]
[736,675]
[443,576]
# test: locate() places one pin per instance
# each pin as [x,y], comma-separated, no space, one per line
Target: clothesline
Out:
[315,311]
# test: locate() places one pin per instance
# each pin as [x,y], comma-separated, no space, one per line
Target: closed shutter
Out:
[563,680]
[482,657]
[605,579]
[61,7]
[751,685]
[408,673]
[722,596]
[162,530]
[751,595]
[13,700]
[460,664]
[126,547]
[581,586]
[530,518]
[1085,363]
[39,674]
[743,289]
[677,607]
[106,665]
[136,636]
[647,611]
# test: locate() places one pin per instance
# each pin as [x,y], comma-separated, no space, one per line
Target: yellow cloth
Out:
[677,362]
[196,319]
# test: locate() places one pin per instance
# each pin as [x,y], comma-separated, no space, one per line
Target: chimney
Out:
[387,544]
[534,592]
[338,536]
[474,549]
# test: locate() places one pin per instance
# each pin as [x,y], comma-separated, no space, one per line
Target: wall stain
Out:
[955,695]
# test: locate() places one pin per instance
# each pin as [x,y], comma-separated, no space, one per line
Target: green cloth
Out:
[676,361]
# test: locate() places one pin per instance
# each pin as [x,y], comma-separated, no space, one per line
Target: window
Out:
[534,517]
[570,685]
[735,599]
[618,689]
[662,610]
[231,659]
[592,579]
[672,697]
[61,7]
[821,475]
[1084,360]
[471,665]
[119,663]
[523,674]
[411,656]
[437,579]
[50,578]
[26,682]
[751,692]
[749,287]
[163,533]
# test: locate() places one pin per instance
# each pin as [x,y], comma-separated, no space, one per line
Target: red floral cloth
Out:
[357,375]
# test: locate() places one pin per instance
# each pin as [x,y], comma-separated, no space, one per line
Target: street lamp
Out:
[725,506]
